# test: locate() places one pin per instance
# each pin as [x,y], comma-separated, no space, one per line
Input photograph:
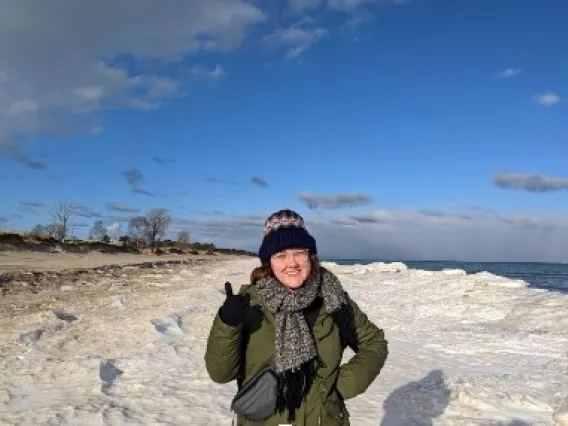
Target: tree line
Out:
[143,229]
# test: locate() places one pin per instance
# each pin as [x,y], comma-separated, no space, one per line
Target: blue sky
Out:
[410,129]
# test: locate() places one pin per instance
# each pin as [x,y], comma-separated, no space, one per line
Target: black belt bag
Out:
[256,400]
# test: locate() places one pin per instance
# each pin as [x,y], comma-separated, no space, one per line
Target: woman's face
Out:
[291,267]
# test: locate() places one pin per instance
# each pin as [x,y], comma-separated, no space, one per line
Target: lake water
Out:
[551,276]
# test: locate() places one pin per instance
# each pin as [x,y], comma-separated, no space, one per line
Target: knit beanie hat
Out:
[282,230]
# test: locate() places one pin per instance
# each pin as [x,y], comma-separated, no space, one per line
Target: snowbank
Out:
[464,350]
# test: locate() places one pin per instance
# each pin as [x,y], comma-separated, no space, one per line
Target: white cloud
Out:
[343,5]
[214,73]
[465,234]
[296,39]
[357,12]
[547,99]
[359,17]
[60,63]
[300,37]
[509,72]
[113,230]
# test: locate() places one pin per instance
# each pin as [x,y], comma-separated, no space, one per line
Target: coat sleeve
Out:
[223,351]
[362,369]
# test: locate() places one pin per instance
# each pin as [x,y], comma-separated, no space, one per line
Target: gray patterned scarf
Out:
[295,349]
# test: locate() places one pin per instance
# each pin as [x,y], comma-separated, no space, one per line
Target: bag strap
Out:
[342,318]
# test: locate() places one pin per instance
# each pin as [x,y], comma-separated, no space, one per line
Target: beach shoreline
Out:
[35,281]
[464,348]
[12,261]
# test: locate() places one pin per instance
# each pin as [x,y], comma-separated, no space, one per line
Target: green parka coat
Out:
[334,382]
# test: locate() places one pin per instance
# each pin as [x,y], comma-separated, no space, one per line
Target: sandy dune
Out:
[38,261]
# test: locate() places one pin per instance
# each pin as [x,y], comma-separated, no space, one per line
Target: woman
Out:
[296,319]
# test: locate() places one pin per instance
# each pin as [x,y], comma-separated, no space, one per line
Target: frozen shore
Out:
[127,348]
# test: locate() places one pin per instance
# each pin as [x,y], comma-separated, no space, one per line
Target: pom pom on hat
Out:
[283,230]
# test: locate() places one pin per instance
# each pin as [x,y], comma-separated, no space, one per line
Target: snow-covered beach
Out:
[464,350]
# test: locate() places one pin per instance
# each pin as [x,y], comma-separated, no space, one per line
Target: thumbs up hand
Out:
[235,307]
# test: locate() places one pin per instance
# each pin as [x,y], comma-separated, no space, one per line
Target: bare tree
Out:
[54,230]
[151,227]
[39,230]
[183,237]
[158,222]
[61,214]
[137,227]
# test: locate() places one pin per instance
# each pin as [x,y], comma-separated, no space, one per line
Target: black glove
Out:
[235,307]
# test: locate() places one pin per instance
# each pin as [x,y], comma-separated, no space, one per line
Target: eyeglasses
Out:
[299,256]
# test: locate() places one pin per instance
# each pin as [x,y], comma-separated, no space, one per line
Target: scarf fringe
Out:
[293,386]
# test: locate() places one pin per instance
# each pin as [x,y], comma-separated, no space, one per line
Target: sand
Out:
[39,261]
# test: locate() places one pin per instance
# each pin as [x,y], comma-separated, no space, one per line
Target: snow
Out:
[464,350]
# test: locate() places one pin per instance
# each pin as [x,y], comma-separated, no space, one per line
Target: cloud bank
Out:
[468,234]
[333,201]
[530,182]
